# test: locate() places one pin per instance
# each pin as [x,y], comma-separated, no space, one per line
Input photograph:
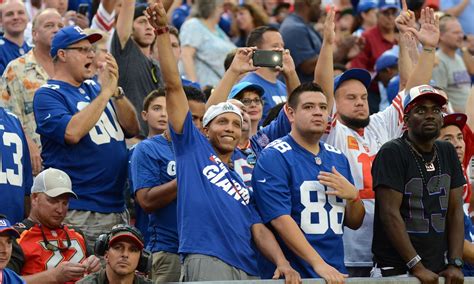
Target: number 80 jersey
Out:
[15,167]
[285,183]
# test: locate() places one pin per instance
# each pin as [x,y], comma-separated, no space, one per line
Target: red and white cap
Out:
[420,93]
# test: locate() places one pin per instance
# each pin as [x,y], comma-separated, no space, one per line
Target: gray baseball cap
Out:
[53,183]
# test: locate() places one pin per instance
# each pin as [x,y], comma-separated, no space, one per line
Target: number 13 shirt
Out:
[285,183]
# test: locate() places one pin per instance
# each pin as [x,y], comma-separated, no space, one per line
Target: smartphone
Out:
[83,9]
[267,58]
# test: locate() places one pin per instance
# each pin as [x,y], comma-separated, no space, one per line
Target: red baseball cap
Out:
[458,119]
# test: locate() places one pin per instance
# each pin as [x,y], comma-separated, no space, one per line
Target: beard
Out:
[426,136]
[355,123]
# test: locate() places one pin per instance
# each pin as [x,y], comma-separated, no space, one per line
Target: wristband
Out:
[120,94]
[428,49]
[356,199]
[162,30]
[414,261]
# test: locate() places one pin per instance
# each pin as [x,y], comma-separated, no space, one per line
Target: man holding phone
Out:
[267,39]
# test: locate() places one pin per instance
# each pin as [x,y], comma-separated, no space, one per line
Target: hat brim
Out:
[60,191]
[358,74]
[126,237]
[386,7]
[457,119]
[437,98]
[12,232]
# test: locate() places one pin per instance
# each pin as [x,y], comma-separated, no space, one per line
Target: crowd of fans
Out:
[147,142]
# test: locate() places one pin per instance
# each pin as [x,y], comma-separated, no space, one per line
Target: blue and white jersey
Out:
[15,167]
[10,51]
[97,165]
[468,268]
[285,183]
[275,93]
[215,212]
[153,164]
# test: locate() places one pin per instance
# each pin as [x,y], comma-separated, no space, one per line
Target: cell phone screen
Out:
[267,58]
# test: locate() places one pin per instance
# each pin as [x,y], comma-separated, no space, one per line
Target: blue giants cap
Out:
[358,74]
[70,35]
[6,227]
[240,87]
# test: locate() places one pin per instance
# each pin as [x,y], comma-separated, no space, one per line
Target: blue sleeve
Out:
[298,41]
[467,228]
[446,4]
[51,114]
[270,182]
[27,170]
[276,129]
[187,140]
[145,171]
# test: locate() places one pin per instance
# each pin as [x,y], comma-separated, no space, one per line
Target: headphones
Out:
[102,245]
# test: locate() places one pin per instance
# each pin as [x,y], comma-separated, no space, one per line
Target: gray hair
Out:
[204,8]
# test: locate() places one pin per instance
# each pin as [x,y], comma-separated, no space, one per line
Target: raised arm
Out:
[324,71]
[289,72]
[428,35]
[241,64]
[176,100]
[124,24]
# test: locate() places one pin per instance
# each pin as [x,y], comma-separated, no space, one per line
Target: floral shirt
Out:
[22,77]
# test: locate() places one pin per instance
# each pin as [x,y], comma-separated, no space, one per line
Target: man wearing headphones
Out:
[123,252]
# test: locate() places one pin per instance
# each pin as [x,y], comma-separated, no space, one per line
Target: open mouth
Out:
[88,65]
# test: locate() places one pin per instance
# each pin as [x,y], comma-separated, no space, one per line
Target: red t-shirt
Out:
[375,45]
[469,152]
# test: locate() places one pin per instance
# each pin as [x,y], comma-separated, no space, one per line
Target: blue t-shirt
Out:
[15,167]
[152,165]
[303,41]
[141,217]
[97,165]
[9,51]
[10,277]
[215,209]
[468,268]
[285,183]
[275,93]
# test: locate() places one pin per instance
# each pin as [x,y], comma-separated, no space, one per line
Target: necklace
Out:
[430,167]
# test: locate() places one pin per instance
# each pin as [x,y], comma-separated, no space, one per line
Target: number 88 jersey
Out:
[285,183]
[15,167]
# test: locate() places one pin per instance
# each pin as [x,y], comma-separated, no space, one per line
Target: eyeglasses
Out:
[50,246]
[247,102]
[82,49]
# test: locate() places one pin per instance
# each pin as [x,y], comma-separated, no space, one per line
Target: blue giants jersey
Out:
[97,165]
[285,183]
[152,165]
[15,167]
[215,213]
[10,51]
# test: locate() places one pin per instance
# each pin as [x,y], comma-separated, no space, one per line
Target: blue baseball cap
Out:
[6,227]
[70,35]
[387,4]
[242,86]
[366,5]
[386,60]
[358,74]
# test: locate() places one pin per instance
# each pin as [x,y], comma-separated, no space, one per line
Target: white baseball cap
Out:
[418,93]
[53,183]
[216,110]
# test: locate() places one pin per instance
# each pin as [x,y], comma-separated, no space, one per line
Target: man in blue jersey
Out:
[15,167]
[153,171]
[217,222]
[83,131]
[13,19]
[304,189]
[7,234]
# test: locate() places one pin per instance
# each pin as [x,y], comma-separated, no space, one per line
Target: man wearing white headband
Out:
[217,222]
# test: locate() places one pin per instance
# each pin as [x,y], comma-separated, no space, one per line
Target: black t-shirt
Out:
[424,204]
[138,74]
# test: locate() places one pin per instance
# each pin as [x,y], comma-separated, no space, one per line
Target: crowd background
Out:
[204,35]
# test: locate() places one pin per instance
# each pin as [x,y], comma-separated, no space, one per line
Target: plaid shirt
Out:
[22,77]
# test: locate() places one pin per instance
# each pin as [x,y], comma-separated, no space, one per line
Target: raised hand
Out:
[406,19]
[108,74]
[342,188]
[288,63]
[242,62]
[329,27]
[156,14]
[428,34]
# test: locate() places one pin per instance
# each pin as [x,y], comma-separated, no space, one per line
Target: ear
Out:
[144,113]
[405,118]
[61,55]
[206,131]
[291,114]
